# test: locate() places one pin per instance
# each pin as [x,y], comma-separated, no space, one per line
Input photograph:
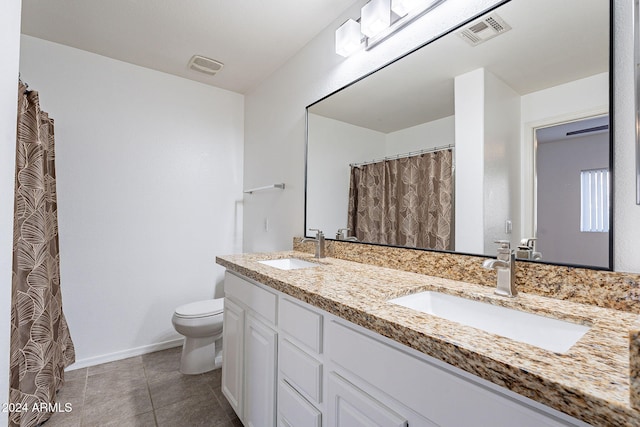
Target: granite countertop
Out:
[589,382]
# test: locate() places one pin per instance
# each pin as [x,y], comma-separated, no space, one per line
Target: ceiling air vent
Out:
[487,28]
[205,65]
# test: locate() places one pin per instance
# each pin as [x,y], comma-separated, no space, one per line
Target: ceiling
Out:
[253,38]
[551,42]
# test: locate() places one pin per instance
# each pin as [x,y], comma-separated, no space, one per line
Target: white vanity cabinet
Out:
[233,355]
[408,388]
[300,364]
[260,374]
[353,407]
[250,351]
[312,369]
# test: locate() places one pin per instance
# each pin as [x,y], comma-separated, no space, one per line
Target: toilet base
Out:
[199,356]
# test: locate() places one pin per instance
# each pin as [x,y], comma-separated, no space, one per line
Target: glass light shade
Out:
[348,38]
[375,16]
[402,7]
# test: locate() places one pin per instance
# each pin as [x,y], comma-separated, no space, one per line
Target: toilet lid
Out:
[204,308]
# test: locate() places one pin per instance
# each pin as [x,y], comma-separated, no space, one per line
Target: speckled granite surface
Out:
[620,291]
[589,382]
[634,367]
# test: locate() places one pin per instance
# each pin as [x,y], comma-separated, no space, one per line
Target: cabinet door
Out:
[294,410]
[260,374]
[233,355]
[348,406]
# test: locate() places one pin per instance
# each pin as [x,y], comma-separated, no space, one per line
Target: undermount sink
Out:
[289,263]
[544,332]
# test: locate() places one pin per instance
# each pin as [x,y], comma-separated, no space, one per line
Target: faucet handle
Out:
[342,233]
[317,230]
[504,244]
[528,242]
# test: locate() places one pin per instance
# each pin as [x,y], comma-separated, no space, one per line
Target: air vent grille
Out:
[487,28]
[205,65]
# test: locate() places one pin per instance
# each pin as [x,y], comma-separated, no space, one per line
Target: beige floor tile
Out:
[224,403]
[113,383]
[214,378]
[233,423]
[197,411]
[75,374]
[157,365]
[126,405]
[124,364]
[73,388]
[142,420]
[175,387]
[65,419]
[143,391]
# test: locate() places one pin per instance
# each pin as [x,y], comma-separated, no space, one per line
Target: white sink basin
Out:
[289,263]
[544,332]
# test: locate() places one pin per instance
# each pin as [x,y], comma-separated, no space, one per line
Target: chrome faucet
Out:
[343,234]
[505,269]
[526,249]
[319,241]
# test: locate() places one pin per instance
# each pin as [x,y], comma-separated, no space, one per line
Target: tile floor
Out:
[143,391]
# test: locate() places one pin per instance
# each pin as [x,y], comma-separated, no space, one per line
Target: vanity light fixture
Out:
[348,38]
[403,7]
[375,17]
[379,20]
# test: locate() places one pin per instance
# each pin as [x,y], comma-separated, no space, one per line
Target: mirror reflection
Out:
[449,148]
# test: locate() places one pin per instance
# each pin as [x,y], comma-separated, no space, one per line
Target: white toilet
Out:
[201,324]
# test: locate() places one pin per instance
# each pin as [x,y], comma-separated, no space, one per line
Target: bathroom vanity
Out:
[321,345]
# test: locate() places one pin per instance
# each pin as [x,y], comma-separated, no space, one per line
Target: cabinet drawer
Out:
[257,299]
[426,388]
[300,370]
[303,324]
[351,407]
[294,410]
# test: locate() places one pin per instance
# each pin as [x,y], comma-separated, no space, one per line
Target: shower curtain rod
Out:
[409,154]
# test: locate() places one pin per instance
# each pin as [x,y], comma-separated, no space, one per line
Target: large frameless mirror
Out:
[498,130]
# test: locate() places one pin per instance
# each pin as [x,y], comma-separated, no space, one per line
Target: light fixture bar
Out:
[402,22]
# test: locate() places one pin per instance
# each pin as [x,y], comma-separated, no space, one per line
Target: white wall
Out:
[559,164]
[469,96]
[487,155]
[581,97]
[275,116]
[333,145]
[9,52]
[426,135]
[567,102]
[149,171]
[501,161]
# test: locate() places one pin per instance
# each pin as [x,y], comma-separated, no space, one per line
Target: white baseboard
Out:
[119,355]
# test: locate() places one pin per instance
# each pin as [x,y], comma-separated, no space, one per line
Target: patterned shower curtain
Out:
[41,346]
[406,201]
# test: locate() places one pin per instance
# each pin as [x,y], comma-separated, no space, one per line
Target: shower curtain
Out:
[41,345]
[406,201]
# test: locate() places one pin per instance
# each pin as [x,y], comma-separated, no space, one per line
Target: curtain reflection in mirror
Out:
[406,201]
